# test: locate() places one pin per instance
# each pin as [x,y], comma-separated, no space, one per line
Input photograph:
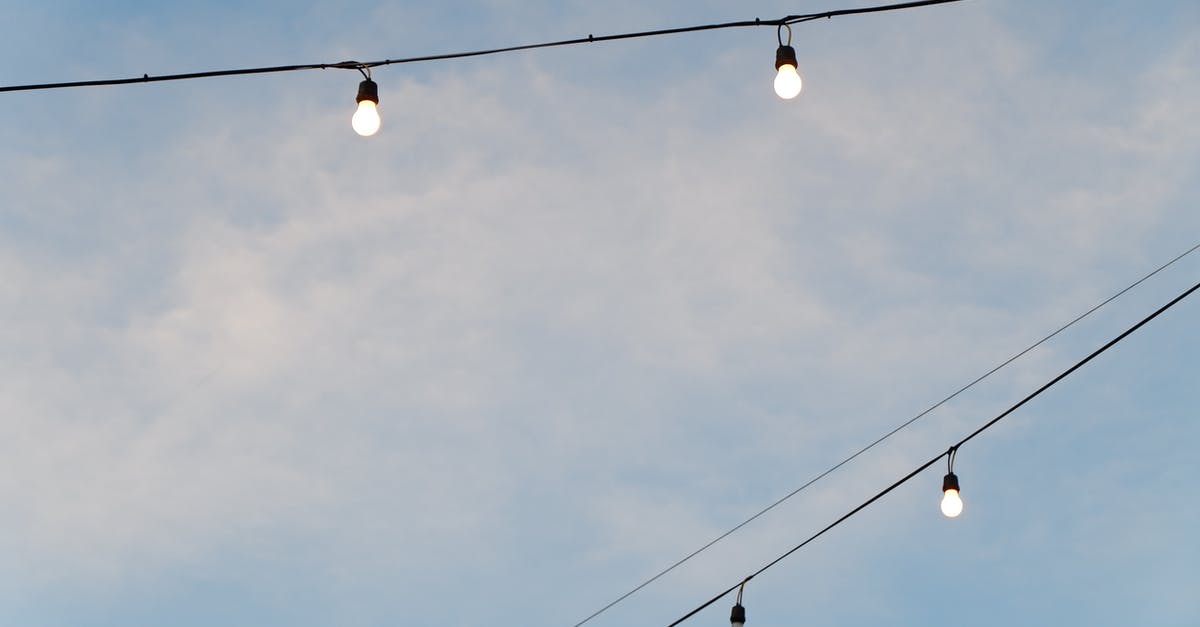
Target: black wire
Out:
[815,536]
[146,78]
[355,65]
[887,435]
[952,450]
[796,19]
[1068,371]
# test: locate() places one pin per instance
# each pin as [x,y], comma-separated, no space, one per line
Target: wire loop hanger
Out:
[779,35]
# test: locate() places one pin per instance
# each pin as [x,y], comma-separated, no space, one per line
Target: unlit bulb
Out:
[366,119]
[787,82]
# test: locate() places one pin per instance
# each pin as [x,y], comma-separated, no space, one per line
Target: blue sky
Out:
[573,313]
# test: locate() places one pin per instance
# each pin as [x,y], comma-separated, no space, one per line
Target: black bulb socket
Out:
[785,55]
[950,482]
[738,615]
[368,90]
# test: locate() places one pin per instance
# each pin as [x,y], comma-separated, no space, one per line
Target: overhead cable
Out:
[360,65]
[951,451]
[885,436]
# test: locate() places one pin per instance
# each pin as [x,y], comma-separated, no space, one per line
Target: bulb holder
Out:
[785,55]
[950,482]
[368,90]
[737,617]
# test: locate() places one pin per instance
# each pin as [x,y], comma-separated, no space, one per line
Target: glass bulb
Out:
[366,119]
[952,504]
[787,82]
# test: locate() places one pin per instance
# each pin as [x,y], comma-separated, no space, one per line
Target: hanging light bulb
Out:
[737,617]
[952,504]
[366,118]
[787,79]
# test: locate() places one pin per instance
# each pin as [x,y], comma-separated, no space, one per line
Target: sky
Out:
[573,313]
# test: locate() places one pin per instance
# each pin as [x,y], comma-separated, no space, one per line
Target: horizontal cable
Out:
[922,467]
[357,65]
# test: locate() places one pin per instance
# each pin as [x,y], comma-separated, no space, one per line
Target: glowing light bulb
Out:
[366,118]
[787,82]
[787,79]
[952,504]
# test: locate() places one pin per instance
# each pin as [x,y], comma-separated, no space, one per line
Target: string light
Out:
[951,453]
[952,504]
[787,79]
[685,559]
[366,118]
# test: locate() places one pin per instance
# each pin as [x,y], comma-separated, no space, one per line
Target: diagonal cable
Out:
[987,425]
[887,435]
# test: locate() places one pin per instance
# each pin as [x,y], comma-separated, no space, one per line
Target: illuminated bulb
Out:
[951,502]
[787,79]
[366,118]
[787,82]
